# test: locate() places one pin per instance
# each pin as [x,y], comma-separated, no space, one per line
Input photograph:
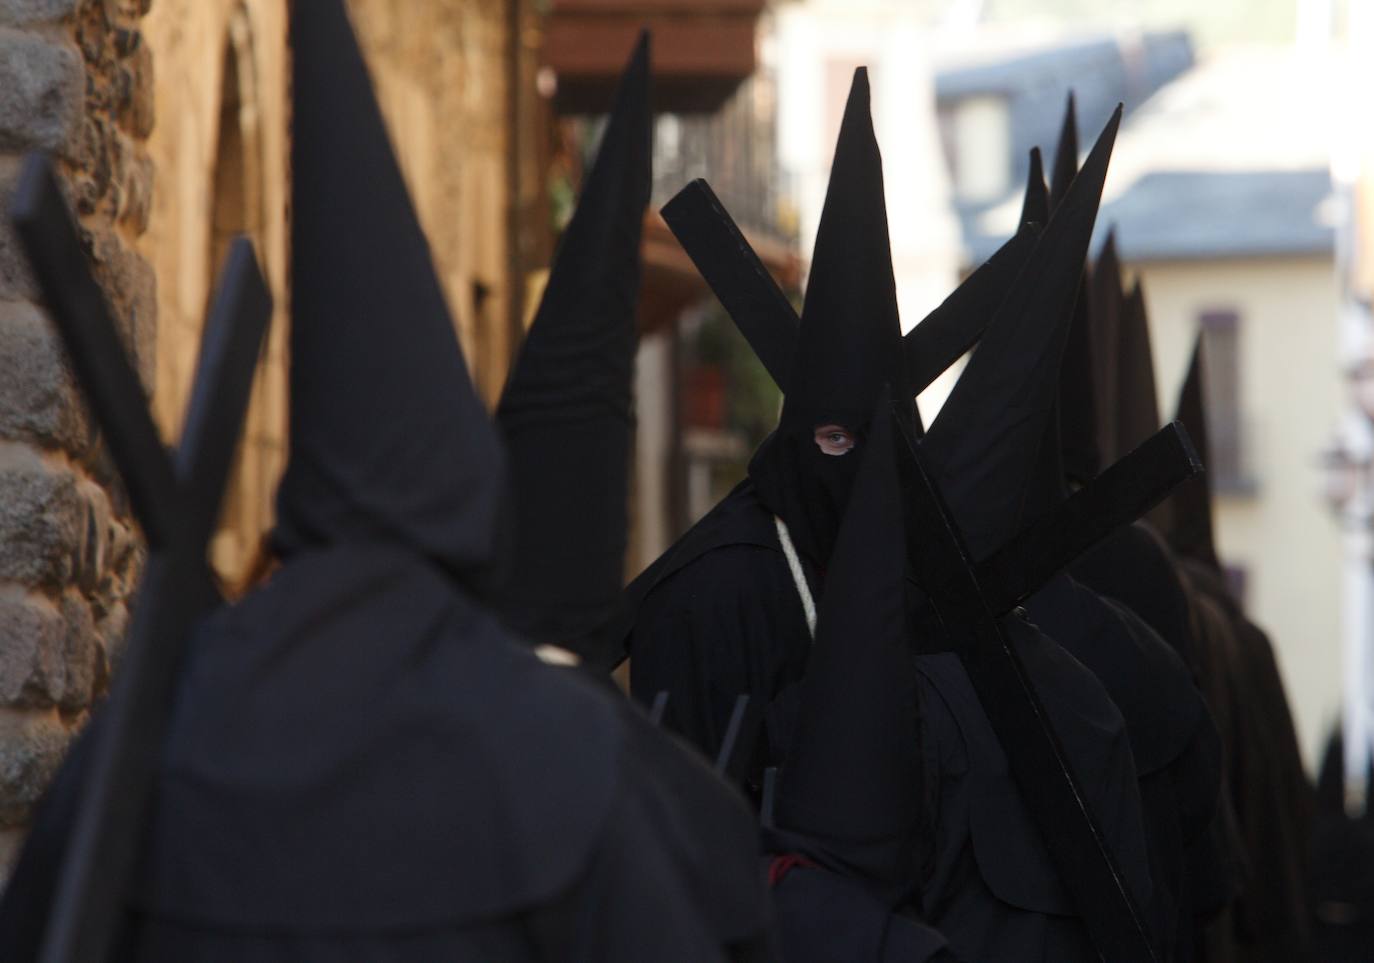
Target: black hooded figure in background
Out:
[363,762]
[730,609]
[990,884]
[850,817]
[1340,887]
[1174,741]
[566,414]
[1273,802]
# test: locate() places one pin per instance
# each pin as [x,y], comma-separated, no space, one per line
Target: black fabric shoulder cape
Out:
[441,791]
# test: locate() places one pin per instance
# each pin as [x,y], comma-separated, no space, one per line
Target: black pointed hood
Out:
[849,793]
[565,414]
[388,440]
[1137,401]
[1189,531]
[1099,377]
[1080,454]
[1035,207]
[849,341]
[1065,155]
[1330,786]
[1079,436]
[984,445]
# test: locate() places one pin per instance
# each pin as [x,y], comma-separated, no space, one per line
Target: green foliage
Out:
[752,400]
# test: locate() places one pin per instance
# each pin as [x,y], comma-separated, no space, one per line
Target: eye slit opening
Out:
[833,439]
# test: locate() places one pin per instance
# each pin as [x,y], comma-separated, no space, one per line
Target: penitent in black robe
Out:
[720,615]
[439,794]
[1174,741]
[1272,799]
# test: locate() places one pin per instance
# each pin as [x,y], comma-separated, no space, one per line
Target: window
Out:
[1225,423]
[977,133]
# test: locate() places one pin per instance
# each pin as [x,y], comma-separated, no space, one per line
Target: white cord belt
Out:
[798,576]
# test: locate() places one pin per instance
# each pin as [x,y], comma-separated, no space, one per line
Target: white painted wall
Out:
[1291,393]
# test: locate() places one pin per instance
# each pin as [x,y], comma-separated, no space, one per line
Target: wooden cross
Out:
[739,279]
[1044,776]
[176,497]
[1116,498]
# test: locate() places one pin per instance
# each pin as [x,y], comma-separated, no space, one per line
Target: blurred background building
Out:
[1240,194]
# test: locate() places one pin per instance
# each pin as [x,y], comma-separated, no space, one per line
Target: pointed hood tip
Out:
[430,474]
[1035,205]
[980,424]
[851,300]
[1065,155]
[860,96]
[569,396]
[638,64]
[849,340]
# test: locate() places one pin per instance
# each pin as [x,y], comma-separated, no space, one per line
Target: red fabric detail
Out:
[784,864]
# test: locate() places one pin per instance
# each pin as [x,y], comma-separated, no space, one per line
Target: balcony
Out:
[703,50]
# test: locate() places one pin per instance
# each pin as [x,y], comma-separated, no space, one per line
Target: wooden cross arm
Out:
[742,284]
[77,306]
[106,839]
[736,275]
[1123,493]
[1044,775]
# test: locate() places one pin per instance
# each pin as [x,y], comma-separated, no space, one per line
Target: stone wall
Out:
[75,80]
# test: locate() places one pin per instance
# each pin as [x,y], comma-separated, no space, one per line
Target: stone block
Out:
[137,206]
[111,633]
[42,91]
[83,655]
[130,286]
[136,111]
[50,654]
[31,747]
[39,400]
[21,12]
[16,281]
[42,519]
[92,560]
[32,645]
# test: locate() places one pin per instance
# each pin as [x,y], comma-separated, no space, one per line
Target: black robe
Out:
[1340,886]
[1272,799]
[1133,566]
[436,793]
[1174,741]
[822,916]
[719,615]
